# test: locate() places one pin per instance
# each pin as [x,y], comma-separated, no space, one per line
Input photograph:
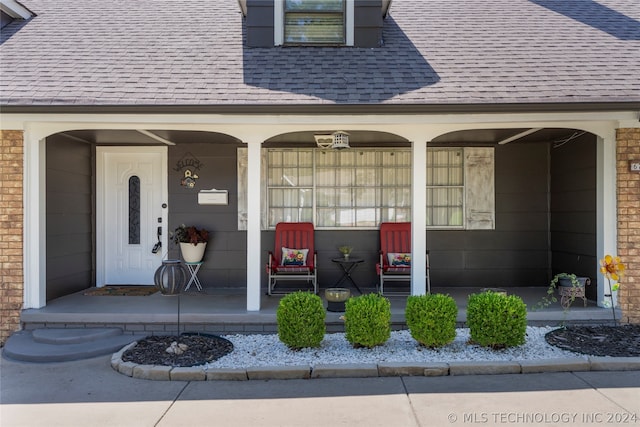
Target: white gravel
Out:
[268,350]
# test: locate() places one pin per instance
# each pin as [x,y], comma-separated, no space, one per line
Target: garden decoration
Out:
[574,286]
[613,269]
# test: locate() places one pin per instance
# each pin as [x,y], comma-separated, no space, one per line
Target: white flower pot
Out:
[191,252]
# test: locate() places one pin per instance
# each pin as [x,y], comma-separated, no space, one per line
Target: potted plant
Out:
[571,286]
[192,241]
[345,251]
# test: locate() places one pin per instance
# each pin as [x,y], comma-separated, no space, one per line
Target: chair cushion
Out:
[399,259]
[294,257]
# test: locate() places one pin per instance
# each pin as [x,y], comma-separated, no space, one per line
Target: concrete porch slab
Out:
[223,311]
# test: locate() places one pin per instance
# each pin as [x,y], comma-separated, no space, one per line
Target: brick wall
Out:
[11,214]
[628,193]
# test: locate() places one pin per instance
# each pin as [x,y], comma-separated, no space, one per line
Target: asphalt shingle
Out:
[152,52]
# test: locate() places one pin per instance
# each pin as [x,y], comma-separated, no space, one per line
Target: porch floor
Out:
[224,311]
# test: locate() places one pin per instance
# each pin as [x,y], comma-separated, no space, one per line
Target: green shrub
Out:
[431,319]
[496,320]
[367,320]
[300,318]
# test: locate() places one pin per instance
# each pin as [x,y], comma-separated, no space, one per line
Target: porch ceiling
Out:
[495,136]
[357,138]
[133,137]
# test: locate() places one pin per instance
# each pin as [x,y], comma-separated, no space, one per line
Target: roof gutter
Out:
[355,109]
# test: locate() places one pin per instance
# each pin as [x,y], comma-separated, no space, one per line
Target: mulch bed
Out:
[615,341]
[201,349]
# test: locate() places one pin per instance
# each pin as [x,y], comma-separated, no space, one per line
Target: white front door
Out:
[131,208]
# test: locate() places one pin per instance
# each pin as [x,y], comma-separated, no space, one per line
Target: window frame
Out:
[279,25]
[448,186]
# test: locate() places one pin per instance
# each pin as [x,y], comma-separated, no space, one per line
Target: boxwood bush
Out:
[300,317]
[367,320]
[431,319]
[496,320]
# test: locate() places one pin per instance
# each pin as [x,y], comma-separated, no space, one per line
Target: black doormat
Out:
[120,291]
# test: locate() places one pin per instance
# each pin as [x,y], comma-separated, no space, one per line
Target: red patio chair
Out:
[395,255]
[294,257]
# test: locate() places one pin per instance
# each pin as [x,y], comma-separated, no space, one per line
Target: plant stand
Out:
[193,268]
[568,294]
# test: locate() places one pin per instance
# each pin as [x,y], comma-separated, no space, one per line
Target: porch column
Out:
[606,206]
[34,248]
[419,218]
[254,267]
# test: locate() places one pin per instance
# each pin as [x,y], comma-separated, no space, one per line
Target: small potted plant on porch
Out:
[192,240]
[345,251]
[569,287]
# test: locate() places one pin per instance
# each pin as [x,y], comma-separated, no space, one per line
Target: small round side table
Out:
[347,265]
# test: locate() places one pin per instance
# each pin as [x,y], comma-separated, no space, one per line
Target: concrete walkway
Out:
[90,393]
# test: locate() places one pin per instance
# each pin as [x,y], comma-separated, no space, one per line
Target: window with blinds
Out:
[314,22]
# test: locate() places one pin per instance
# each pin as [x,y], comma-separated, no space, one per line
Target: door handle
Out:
[158,245]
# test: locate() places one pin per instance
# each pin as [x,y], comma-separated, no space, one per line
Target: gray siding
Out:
[368,22]
[573,209]
[259,23]
[70,261]
[516,252]
[225,264]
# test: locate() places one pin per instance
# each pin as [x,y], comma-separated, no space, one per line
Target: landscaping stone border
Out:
[382,369]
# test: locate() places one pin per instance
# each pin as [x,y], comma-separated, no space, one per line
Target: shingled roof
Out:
[435,52]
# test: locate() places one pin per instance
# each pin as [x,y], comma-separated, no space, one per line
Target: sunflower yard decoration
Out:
[613,269]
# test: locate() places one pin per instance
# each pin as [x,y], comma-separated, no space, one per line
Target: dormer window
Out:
[355,23]
[314,22]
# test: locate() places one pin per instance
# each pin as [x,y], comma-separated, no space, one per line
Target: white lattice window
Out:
[445,187]
[290,186]
[337,189]
[359,188]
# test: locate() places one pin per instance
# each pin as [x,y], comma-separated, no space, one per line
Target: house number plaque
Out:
[634,165]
